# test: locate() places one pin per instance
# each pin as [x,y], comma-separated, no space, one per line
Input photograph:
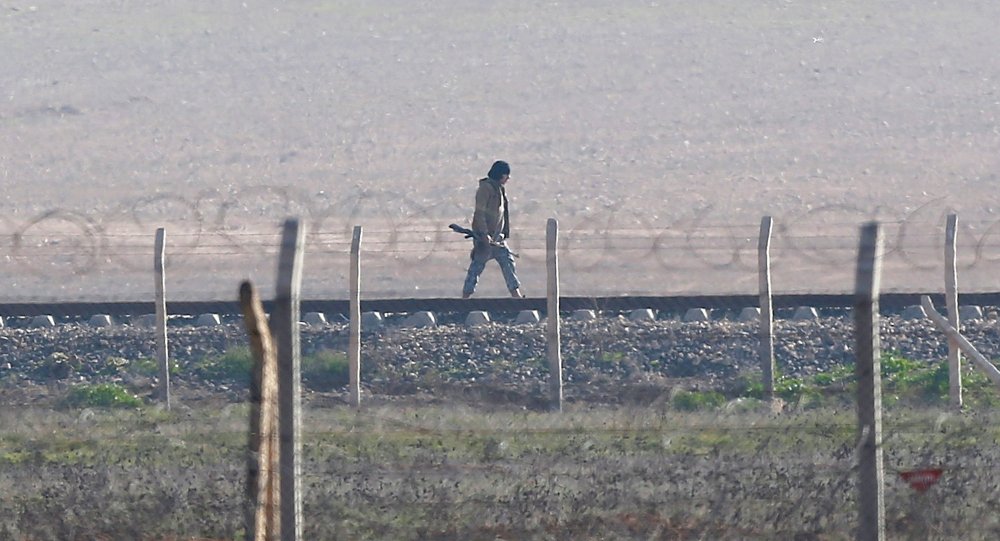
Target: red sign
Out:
[921,480]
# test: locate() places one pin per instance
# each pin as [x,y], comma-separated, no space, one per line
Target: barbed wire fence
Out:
[64,256]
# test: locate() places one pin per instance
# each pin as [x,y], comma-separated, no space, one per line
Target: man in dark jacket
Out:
[491,224]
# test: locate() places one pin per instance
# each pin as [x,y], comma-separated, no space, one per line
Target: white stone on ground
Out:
[584,315]
[41,322]
[314,318]
[527,317]
[805,313]
[145,320]
[100,320]
[477,317]
[695,315]
[208,320]
[642,314]
[371,320]
[970,312]
[420,319]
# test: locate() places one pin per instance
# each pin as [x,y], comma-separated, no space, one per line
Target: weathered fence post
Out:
[285,327]
[963,343]
[354,341]
[552,319]
[766,306]
[262,498]
[951,302]
[871,507]
[162,355]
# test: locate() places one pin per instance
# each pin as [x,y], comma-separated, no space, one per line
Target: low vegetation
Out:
[697,462]
[101,395]
[905,383]
[322,370]
[397,471]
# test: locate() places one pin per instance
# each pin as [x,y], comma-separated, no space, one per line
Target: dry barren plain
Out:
[658,133]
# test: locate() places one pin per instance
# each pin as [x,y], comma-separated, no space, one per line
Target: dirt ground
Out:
[657,133]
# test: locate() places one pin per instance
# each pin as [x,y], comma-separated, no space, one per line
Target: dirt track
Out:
[218,120]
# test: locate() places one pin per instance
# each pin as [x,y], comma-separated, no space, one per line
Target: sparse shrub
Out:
[893,364]
[149,367]
[494,449]
[113,366]
[978,390]
[102,395]
[58,365]
[792,390]
[698,400]
[837,376]
[904,378]
[326,369]
[610,358]
[232,366]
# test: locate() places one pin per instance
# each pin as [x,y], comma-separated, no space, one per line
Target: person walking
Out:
[491,226]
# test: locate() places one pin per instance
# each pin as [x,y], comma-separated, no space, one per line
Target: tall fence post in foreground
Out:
[871,507]
[261,497]
[552,318]
[162,356]
[354,341]
[766,306]
[285,327]
[951,302]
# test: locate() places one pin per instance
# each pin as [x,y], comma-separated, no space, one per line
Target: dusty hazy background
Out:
[658,133]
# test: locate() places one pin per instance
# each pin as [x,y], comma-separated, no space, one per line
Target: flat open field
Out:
[405,472]
[658,133]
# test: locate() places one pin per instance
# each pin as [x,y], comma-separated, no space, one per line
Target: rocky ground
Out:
[610,359]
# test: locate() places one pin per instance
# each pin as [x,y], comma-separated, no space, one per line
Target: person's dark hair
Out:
[499,169]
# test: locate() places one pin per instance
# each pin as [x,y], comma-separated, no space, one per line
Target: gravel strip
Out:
[608,350]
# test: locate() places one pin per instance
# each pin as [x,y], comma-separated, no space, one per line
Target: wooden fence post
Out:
[766,306]
[285,328]
[871,507]
[354,341]
[162,355]
[552,318]
[262,498]
[951,302]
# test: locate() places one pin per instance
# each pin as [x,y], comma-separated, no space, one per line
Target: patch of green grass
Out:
[905,381]
[840,376]
[102,395]
[232,366]
[610,357]
[149,367]
[326,369]
[698,400]
[787,388]
[978,390]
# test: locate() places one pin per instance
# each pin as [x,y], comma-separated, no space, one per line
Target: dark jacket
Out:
[491,215]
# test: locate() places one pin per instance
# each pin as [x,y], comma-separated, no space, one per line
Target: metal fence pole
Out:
[552,318]
[766,306]
[162,354]
[285,328]
[871,507]
[354,341]
[951,302]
